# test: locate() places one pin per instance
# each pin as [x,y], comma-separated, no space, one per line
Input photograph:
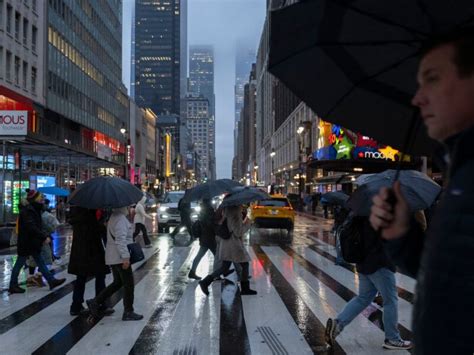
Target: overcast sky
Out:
[220,23]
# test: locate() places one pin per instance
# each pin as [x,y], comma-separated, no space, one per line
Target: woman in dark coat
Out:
[87,254]
[207,235]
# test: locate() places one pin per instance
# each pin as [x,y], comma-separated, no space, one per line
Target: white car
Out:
[168,213]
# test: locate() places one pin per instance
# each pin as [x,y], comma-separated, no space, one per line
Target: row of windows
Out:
[73,55]
[75,24]
[19,26]
[18,71]
[68,92]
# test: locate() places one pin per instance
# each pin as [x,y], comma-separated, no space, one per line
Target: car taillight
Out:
[257,207]
[288,208]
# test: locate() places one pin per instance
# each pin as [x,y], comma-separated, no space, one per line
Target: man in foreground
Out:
[443,259]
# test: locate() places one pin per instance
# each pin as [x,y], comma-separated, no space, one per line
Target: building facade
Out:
[201,82]
[198,125]
[157,55]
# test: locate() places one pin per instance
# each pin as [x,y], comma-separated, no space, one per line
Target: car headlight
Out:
[163,208]
[197,209]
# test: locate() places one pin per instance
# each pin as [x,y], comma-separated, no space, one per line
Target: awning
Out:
[359,166]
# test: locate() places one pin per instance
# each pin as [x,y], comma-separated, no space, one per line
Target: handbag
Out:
[135,250]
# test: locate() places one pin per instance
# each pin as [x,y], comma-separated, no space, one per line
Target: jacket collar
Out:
[457,150]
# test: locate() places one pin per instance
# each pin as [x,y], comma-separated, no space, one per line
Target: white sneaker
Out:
[397,344]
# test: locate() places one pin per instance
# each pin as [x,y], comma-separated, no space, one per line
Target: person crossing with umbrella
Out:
[231,246]
[443,259]
[104,193]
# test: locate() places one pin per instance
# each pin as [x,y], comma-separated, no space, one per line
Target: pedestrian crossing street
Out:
[298,286]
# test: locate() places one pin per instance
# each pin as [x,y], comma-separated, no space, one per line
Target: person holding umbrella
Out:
[442,259]
[231,248]
[117,255]
[87,255]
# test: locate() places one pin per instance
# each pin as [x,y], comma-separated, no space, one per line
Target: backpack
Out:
[222,230]
[351,239]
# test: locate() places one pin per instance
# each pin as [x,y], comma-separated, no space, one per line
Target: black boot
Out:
[245,289]
[204,284]
[131,316]
[192,275]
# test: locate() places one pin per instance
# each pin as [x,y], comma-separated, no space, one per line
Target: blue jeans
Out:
[383,280]
[20,262]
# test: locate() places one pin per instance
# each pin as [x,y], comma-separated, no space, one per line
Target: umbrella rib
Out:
[412,31]
[367,78]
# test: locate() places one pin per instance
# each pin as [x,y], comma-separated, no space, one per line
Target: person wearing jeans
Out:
[376,274]
[119,235]
[30,241]
[139,221]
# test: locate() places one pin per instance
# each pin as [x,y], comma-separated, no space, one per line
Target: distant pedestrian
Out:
[314,202]
[87,255]
[31,238]
[232,250]
[185,210]
[139,221]
[376,273]
[206,235]
[119,235]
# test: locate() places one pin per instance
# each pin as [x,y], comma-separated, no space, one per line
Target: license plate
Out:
[273,211]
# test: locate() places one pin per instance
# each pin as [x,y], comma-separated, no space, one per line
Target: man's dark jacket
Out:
[30,232]
[87,250]
[443,260]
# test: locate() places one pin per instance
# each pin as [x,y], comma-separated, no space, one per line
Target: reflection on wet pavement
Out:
[298,286]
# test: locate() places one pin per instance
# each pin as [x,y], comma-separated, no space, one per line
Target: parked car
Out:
[275,212]
[168,213]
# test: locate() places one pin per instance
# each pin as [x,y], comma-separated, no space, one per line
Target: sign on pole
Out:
[13,123]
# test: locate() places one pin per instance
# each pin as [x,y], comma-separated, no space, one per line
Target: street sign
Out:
[13,123]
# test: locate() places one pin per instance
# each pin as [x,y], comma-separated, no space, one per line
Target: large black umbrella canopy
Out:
[105,192]
[354,62]
[335,198]
[210,189]
[244,195]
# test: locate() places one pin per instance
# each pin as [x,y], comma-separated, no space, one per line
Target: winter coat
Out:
[233,249]
[443,260]
[87,250]
[140,213]
[207,236]
[30,230]
[119,235]
[376,256]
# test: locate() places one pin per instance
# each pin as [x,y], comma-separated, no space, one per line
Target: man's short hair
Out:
[463,41]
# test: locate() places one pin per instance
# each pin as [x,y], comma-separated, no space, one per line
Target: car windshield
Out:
[274,202]
[173,198]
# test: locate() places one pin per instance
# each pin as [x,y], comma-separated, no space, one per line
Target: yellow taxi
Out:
[275,212]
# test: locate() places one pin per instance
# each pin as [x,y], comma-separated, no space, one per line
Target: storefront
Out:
[342,155]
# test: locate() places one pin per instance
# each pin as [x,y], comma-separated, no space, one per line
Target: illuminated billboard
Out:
[336,142]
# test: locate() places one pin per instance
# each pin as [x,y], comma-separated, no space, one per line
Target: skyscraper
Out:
[201,82]
[156,55]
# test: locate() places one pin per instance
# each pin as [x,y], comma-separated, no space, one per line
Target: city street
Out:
[298,286]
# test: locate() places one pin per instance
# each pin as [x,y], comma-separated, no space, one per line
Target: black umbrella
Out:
[243,195]
[335,198]
[105,192]
[354,62]
[210,189]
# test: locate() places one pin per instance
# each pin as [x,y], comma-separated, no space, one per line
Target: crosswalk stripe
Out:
[69,335]
[111,335]
[406,283]
[360,337]
[196,320]
[151,336]
[269,324]
[308,314]
[346,278]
